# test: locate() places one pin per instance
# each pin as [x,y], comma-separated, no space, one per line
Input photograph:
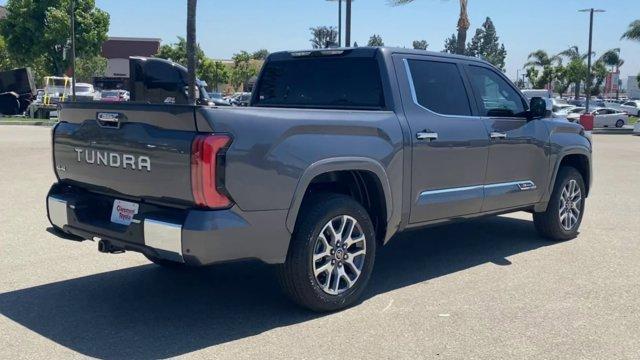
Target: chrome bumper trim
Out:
[163,236]
[57,211]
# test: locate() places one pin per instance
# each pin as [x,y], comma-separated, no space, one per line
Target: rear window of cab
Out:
[321,82]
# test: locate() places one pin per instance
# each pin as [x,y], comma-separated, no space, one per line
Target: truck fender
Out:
[573,150]
[337,164]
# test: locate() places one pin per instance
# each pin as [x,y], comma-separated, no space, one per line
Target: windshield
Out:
[109,93]
[83,88]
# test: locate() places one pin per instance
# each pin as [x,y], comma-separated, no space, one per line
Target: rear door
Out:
[449,145]
[137,151]
[518,166]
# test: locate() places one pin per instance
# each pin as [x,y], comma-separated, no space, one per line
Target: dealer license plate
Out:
[123,212]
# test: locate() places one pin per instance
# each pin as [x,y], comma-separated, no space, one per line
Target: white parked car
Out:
[603,117]
[631,107]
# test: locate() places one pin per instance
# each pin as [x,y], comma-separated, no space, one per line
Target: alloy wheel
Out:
[339,255]
[570,205]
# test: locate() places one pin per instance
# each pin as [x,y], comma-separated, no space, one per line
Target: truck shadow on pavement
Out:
[149,312]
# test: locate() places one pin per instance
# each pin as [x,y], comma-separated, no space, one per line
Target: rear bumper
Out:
[192,236]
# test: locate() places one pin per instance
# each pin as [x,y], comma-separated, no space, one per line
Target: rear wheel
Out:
[331,255]
[563,216]
[620,123]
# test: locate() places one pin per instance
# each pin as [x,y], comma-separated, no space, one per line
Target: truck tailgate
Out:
[134,151]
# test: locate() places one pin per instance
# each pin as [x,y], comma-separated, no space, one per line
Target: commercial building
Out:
[633,90]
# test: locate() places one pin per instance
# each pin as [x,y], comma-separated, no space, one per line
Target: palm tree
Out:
[541,59]
[191,50]
[463,23]
[574,56]
[633,33]
[612,58]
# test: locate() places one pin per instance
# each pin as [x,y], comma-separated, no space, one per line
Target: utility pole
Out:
[73,50]
[339,23]
[588,87]
[348,25]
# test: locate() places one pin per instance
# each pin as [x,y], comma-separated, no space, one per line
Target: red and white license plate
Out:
[123,212]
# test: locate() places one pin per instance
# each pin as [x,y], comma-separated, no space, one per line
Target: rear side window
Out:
[325,82]
[438,87]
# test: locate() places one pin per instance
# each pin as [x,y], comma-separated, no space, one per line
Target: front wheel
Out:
[620,123]
[564,212]
[331,255]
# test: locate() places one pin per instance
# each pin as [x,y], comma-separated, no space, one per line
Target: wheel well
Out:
[580,163]
[363,186]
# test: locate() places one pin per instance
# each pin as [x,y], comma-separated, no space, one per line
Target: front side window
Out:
[495,96]
[438,87]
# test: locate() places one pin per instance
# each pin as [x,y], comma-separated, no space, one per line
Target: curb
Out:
[28,122]
[614,131]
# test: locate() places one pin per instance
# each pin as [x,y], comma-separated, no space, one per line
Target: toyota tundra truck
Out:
[339,150]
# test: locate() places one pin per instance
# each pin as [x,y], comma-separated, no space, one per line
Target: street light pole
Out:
[588,87]
[348,25]
[339,23]
[73,50]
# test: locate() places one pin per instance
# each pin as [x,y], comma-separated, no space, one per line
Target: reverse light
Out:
[207,170]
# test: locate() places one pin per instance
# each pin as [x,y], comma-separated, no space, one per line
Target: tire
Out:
[329,290]
[168,264]
[620,123]
[551,224]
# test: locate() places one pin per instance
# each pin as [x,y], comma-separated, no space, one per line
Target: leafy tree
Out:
[576,72]
[242,70]
[177,52]
[450,44]
[375,40]
[323,37]
[6,62]
[485,44]
[37,29]
[463,27]
[540,59]
[599,73]
[260,54]
[355,44]
[420,44]
[633,32]
[88,68]
[214,73]
[561,82]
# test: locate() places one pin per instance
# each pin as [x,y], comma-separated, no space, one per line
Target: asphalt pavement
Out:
[486,289]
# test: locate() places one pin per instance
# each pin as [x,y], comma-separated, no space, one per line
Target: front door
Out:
[518,167]
[449,144]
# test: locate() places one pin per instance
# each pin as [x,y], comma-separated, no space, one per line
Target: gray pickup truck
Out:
[339,150]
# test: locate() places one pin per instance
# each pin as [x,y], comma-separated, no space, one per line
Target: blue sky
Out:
[226,27]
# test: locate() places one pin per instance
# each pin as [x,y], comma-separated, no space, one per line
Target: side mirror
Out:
[537,108]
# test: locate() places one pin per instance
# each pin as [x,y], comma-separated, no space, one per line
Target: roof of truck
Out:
[370,50]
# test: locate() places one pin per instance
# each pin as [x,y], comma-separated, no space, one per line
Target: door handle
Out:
[498,135]
[427,135]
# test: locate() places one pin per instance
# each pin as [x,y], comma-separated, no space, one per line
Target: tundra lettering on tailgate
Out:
[113,159]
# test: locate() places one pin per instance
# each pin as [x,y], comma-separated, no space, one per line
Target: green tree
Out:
[577,69]
[540,59]
[6,62]
[323,37]
[214,73]
[260,54]
[242,70]
[633,32]
[485,44]
[88,68]
[420,44]
[599,73]
[450,44]
[375,40]
[177,52]
[37,29]
[463,26]
[561,83]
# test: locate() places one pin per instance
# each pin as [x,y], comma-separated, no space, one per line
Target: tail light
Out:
[207,170]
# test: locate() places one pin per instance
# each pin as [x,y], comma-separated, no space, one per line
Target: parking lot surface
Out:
[486,289]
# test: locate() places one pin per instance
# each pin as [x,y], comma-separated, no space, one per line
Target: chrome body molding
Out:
[472,192]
